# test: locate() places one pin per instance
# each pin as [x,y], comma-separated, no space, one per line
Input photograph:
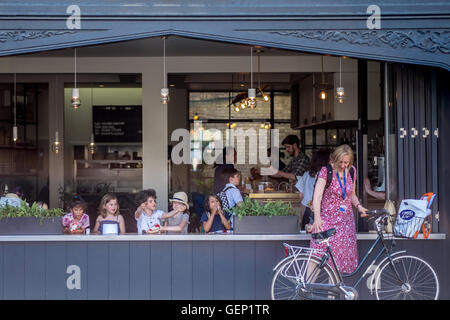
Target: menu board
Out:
[117,123]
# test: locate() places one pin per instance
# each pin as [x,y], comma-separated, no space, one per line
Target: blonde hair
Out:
[107,198]
[340,152]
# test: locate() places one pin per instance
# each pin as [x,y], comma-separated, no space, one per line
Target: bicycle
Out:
[306,273]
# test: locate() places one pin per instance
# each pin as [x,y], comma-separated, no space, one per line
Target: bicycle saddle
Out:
[324,235]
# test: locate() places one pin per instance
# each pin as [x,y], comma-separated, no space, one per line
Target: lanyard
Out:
[344,188]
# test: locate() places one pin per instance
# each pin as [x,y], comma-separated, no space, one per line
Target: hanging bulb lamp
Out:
[323,86]
[252,98]
[56,145]
[92,147]
[340,92]
[15,134]
[265,96]
[251,91]
[75,99]
[164,89]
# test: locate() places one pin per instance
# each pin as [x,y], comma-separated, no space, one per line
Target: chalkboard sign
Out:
[117,123]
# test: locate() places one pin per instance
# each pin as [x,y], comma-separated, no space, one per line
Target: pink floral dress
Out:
[343,243]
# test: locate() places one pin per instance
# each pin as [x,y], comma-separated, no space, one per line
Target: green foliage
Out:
[29,211]
[272,208]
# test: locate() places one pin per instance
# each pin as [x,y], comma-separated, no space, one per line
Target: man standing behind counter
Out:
[298,164]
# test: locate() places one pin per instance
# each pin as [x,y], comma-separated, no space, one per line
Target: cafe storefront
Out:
[394,116]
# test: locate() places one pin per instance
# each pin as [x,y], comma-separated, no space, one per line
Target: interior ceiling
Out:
[176,46]
[153,47]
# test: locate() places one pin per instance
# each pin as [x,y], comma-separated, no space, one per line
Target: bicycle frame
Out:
[383,250]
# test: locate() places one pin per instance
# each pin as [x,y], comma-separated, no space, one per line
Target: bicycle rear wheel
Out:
[291,273]
[418,280]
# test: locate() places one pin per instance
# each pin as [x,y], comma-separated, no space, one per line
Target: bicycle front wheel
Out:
[293,272]
[407,278]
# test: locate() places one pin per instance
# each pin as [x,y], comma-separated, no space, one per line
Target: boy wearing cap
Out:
[147,217]
[179,222]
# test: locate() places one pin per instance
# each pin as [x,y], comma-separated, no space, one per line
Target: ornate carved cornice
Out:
[427,40]
[20,35]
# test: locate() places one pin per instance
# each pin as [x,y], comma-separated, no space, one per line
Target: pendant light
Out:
[251,91]
[56,145]
[265,96]
[164,90]
[75,100]
[92,147]
[323,92]
[340,93]
[15,134]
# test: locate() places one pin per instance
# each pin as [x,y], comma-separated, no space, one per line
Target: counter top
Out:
[275,195]
[188,237]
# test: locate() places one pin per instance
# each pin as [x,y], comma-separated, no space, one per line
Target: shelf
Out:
[18,121]
[12,147]
[107,161]
[15,174]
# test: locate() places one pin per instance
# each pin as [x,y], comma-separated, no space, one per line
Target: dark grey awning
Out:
[410,31]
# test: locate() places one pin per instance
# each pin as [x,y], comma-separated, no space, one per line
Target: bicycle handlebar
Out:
[378,211]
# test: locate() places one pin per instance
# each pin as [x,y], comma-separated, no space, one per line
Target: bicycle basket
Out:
[410,218]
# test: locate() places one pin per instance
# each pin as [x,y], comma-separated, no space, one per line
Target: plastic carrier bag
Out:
[411,215]
[390,206]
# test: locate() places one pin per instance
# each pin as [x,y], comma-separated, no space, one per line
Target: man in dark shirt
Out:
[299,162]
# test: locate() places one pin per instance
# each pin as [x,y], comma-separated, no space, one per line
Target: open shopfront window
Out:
[212,118]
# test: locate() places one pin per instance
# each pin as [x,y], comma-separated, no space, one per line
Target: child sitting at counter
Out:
[76,221]
[147,217]
[109,221]
[179,222]
[213,218]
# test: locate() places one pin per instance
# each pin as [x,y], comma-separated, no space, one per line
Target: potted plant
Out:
[29,220]
[273,217]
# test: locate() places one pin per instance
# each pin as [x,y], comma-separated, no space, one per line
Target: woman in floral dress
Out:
[333,209]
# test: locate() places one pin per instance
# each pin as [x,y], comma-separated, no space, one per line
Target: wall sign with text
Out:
[117,123]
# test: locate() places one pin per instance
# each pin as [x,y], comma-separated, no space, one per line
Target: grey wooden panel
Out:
[182,266]
[223,264]
[244,270]
[98,270]
[119,270]
[77,254]
[35,270]
[140,270]
[13,272]
[2,269]
[55,277]
[203,271]
[265,257]
[161,270]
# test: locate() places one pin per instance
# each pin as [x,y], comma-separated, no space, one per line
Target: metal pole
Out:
[387,153]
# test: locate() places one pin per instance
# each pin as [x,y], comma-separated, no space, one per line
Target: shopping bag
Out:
[411,215]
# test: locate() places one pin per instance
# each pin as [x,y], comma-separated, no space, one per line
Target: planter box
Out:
[266,225]
[30,225]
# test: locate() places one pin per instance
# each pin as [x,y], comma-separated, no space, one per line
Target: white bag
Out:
[410,217]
